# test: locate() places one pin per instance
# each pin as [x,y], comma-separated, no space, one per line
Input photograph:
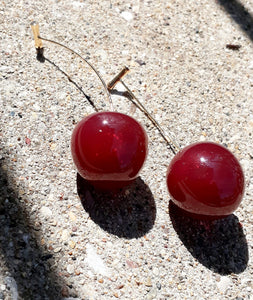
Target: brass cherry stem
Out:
[118,78]
[38,45]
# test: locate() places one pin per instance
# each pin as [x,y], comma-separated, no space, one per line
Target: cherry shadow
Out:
[129,213]
[42,59]
[219,245]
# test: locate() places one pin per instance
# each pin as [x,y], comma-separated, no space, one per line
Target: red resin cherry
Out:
[206,180]
[109,149]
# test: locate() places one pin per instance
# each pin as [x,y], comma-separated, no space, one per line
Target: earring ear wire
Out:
[118,78]
[108,88]
[38,44]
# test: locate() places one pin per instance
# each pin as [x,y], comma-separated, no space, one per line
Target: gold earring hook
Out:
[38,44]
[118,78]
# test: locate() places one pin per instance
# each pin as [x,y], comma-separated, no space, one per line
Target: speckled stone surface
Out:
[57,243]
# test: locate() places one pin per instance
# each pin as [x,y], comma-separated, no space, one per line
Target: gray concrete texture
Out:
[191,65]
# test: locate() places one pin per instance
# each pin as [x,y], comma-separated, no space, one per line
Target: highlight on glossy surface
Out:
[109,149]
[206,180]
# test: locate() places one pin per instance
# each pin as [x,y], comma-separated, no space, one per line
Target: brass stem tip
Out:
[36,34]
[117,78]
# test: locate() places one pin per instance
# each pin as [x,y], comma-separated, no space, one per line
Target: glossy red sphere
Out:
[109,149]
[206,179]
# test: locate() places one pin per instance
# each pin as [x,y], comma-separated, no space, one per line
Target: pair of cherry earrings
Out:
[109,150]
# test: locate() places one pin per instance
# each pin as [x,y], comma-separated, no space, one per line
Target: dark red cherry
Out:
[109,149]
[206,180]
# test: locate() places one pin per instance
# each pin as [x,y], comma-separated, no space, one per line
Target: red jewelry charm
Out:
[109,149]
[206,180]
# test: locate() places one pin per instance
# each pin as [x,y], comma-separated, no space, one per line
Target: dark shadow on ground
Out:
[129,213]
[88,98]
[219,245]
[27,264]
[41,58]
[239,14]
